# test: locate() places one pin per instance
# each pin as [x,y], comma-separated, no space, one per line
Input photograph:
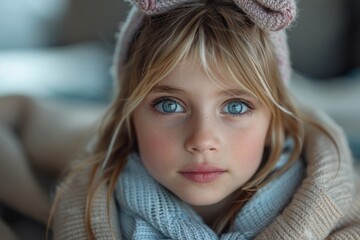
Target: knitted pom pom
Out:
[270,15]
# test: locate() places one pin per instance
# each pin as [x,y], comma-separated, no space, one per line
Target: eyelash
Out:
[162,99]
[248,104]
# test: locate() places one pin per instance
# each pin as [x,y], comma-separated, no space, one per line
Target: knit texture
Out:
[325,206]
[271,15]
[325,200]
[149,211]
[68,227]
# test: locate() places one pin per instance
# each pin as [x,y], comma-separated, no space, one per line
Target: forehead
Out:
[190,73]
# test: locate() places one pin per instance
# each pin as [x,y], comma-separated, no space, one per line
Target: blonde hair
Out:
[224,41]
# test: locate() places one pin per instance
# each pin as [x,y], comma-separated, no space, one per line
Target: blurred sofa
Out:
[58,48]
[325,52]
[325,40]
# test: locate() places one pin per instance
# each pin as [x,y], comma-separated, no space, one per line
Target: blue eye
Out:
[168,106]
[236,108]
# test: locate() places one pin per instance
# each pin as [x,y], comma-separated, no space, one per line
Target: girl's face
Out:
[200,140]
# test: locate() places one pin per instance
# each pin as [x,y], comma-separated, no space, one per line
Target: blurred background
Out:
[62,49]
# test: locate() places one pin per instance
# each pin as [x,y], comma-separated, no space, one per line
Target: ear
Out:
[150,7]
[271,15]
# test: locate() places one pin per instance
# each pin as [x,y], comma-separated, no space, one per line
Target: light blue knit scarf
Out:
[148,211]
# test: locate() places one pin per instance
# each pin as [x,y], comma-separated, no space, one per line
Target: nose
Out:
[202,135]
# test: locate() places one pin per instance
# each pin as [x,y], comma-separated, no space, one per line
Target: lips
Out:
[202,173]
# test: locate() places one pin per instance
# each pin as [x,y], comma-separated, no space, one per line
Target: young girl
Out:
[203,140]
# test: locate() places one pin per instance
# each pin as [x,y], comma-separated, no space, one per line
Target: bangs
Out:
[221,39]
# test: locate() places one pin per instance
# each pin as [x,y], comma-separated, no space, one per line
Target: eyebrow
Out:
[222,92]
[165,89]
[235,92]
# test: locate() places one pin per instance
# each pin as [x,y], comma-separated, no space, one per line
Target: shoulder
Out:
[329,190]
[349,225]
[69,216]
[70,208]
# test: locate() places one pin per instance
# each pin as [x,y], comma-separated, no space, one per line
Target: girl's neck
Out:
[211,213]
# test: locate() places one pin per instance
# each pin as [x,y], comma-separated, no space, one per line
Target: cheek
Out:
[156,147]
[153,144]
[247,148]
[250,148]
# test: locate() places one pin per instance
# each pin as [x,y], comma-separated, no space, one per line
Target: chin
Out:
[198,199]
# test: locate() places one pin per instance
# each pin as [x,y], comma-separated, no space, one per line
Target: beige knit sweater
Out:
[326,205]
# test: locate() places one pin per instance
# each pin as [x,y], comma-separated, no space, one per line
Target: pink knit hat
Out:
[270,15]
